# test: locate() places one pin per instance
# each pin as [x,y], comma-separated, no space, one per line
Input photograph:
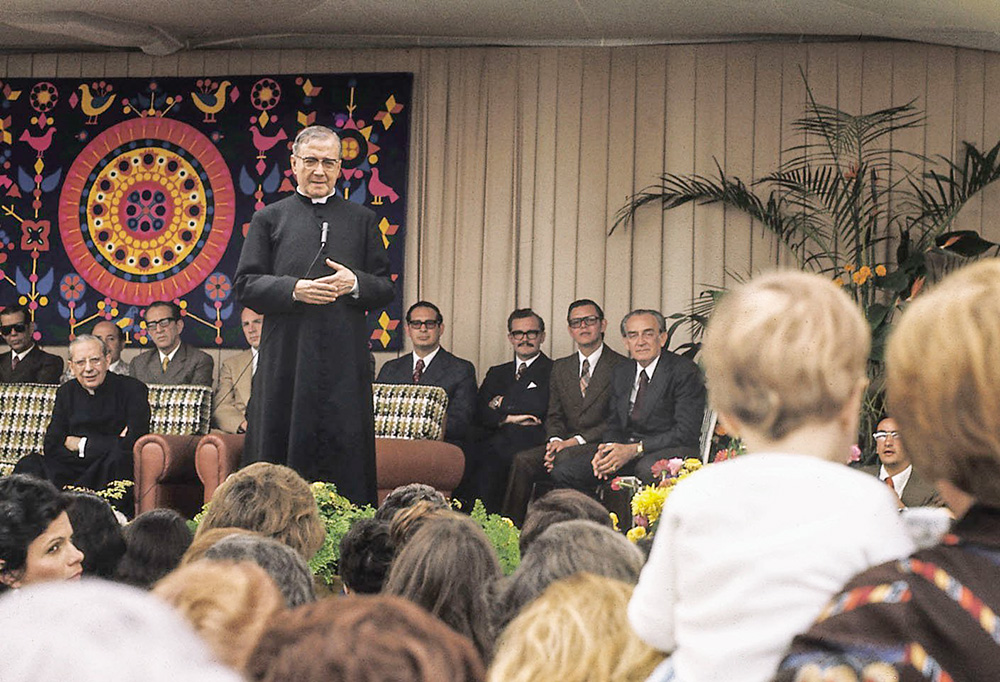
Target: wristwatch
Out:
[639,450]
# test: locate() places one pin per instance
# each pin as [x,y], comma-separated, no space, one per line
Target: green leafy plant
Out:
[840,203]
[503,534]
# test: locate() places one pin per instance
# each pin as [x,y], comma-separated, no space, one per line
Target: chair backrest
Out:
[25,411]
[408,411]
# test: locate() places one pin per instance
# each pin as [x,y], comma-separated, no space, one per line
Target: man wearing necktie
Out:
[171,361]
[657,405]
[510,410]
[232,394]
[431,364]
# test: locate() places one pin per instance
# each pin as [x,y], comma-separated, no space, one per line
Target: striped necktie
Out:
[164,363]
[584,377]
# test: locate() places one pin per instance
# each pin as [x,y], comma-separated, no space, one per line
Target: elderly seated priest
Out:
[96,420]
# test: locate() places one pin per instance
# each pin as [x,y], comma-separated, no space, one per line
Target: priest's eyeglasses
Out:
[423,324]
[310,163]
[882,435]
[530,334]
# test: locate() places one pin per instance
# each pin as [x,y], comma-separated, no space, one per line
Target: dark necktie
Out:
[520,371]
[418,370]
[584,377]
[13,362]
[643,383]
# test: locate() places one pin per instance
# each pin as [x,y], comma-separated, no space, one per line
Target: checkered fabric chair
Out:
[25,411]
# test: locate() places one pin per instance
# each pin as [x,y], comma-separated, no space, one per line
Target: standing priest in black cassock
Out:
[313,264]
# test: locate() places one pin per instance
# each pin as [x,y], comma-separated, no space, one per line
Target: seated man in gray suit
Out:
[579,391]
[236,378]
[172,361]
[896,469]
[656,410]
[431,364]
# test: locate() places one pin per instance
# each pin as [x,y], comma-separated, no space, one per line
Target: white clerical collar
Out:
[315,200]
[427,358]
[20,356]
[648,369]
[170,355]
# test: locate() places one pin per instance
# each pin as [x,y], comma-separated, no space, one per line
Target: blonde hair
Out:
[228,603]
[204,541]
[272,500]
[943,383]
[577,630]
[785,349]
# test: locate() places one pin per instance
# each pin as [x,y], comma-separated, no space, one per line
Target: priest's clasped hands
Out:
[326,289]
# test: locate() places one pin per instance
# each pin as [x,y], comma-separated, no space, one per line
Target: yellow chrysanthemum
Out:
[857,278]
[850,267]
[614,520]
[880,270]
[636,534]
[648,502]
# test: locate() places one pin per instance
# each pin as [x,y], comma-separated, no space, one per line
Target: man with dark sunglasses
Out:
[25,362]
[510,409]
[431,364]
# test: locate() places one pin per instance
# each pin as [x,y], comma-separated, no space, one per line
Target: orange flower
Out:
[858,278]
[850,267]
[839,281]
[880,270]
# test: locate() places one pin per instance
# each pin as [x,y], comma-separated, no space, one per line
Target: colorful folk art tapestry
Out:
[118,192]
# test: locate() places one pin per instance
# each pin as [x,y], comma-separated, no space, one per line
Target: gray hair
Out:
[314,133]
[80,631]
[660,320]
[88,338]
[565,549]
[285,566]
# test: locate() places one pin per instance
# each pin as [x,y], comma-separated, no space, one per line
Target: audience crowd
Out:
[784,563]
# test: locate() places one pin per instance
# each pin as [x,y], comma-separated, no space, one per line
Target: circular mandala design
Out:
[353,148]
[43,96]
[146,211]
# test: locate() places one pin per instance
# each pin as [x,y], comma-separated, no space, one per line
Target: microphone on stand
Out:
[323,235]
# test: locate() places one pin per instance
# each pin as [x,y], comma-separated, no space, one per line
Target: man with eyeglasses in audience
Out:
[896,469]
[171,362]
[25,362]
[510,409]
[314,264]
[432,365]
[579,391]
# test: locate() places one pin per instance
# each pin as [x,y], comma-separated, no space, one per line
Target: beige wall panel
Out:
[265,61]
[19,66]
[116,65]
[970,68]
[292,61]
[710,121]
[567,187]
[678,238]
[767,138]
[44,66]
[795,62]
[593,176]
[621,181]
[939,138]
[991,136]
[141,66]
[850,80]
[738,151]
[93,65]
[523,150]
[192,64]
[68,66]
[543,213]
[652,146]
[240,63]
[499,231]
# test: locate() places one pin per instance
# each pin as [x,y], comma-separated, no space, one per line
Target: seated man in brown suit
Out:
[25,362]
[896,469]
[579,390]
[229,413]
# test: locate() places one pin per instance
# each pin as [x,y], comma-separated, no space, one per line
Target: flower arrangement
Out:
[503,535]
[648,501]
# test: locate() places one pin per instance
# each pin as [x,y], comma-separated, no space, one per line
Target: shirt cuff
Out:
[82,446]
[355,291]
[580,439]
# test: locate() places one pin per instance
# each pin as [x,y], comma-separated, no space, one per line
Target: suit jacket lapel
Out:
[657,384]
[600,378]
[246,378]
[437,368]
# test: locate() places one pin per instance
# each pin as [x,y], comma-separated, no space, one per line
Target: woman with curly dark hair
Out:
[35,534]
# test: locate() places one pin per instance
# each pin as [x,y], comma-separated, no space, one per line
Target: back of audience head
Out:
[35,534]
[286,567]
[272,500]
[96,533]
[363,638]
[943,384]
[98,630]
[784,351]
[409,520]
[556,506]
[205,540]
[228,603]
[155,541]
[562,550]
[576,631]
[444,568]
[406,496]
[366,553]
